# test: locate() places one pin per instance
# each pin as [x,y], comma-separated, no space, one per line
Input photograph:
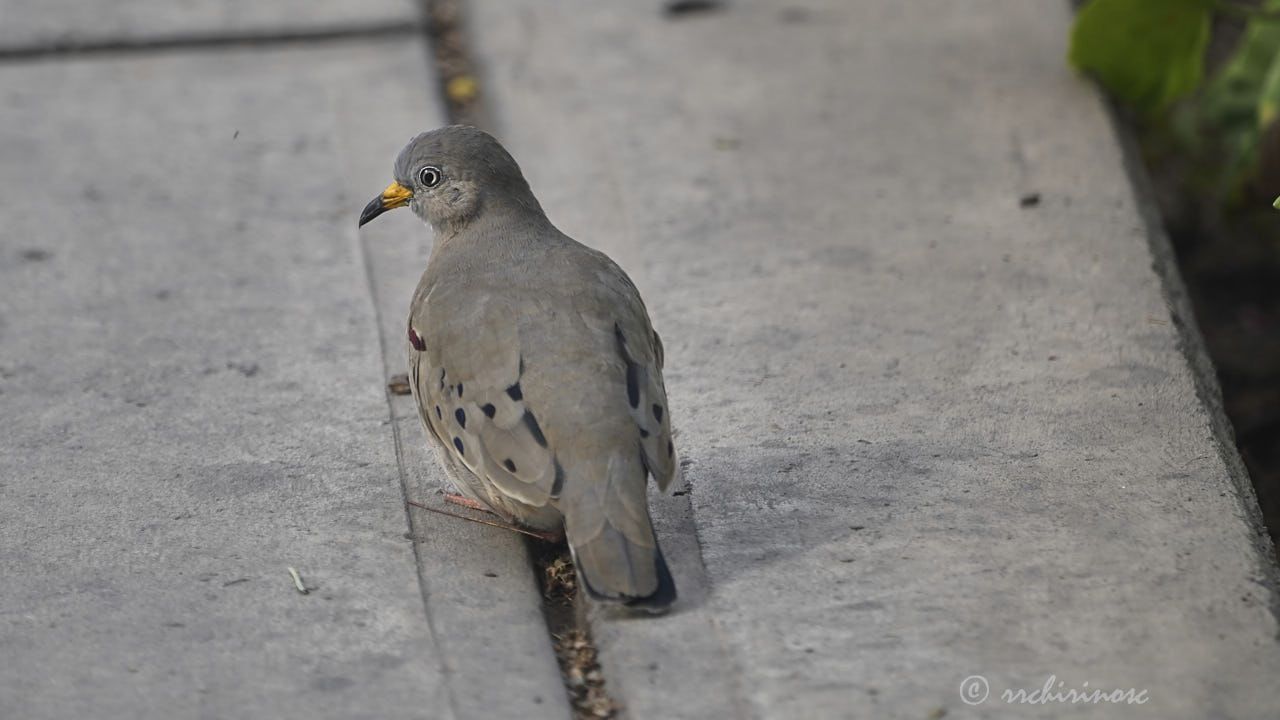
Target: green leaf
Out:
[1242,100]
[1269,97]
[1276,204]
[1232,98]
[1147,53]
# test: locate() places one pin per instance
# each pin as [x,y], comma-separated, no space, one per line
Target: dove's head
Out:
[453,175]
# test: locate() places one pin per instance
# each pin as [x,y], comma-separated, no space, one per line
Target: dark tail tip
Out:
[656,602]
[661,598]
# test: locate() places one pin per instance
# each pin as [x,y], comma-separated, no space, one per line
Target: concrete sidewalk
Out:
[193,394]
[932,431]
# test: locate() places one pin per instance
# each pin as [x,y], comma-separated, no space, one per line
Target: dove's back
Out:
[540,381]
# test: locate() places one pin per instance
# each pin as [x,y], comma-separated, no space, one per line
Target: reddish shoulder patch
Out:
[416,341]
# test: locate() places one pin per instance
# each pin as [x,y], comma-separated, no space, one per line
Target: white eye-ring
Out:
[430,176]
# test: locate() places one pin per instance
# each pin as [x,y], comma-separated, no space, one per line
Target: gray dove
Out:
[537,374]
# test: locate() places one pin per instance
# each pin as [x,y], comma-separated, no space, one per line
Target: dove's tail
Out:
[612,540]
[603,560]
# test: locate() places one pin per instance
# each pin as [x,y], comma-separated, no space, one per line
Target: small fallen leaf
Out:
[462,88]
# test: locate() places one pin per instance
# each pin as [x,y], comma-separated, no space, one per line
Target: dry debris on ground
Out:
[582,676]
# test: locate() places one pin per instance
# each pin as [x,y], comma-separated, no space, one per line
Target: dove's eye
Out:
[430,176]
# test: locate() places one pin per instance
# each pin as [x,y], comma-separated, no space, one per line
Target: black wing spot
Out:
[461,416]
[459,389]
[514,393]
[457,442]
[671,449]
[633,384]
[633,370]
[643,433]
[489,410]
[442,379]
[558,483]
[510,466]
[657,412]
[532,423]
[439,415]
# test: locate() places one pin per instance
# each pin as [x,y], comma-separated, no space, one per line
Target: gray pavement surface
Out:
[930,433]
[193,395]
[193,403]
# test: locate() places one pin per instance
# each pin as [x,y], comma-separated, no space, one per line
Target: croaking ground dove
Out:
[537,374]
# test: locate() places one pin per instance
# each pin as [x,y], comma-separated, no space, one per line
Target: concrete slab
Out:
[193,401]
[71,22]
[933,433]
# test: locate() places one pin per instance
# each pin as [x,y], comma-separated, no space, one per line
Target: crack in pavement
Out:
[76,48]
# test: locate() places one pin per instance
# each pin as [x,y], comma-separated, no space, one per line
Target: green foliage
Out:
[1240,102]
[1148,53]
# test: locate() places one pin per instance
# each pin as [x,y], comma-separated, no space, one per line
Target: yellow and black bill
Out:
[396,195]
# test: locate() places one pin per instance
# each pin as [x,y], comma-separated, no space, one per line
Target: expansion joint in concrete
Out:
[216,40]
